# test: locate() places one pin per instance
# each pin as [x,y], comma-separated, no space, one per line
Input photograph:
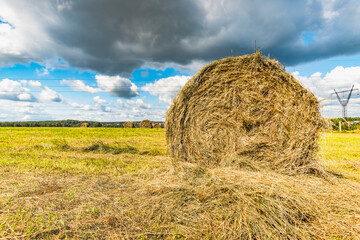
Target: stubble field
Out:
[113,183]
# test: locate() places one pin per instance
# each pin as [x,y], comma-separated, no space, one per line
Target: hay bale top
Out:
[245,111]
[128,124]
[146,124]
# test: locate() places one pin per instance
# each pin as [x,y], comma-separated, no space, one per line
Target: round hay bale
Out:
[245,111]
[157,125]
[146,124]
[128,124]
[84,125]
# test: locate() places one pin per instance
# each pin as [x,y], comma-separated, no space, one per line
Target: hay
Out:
[157,125]
[146,124]
[245,111]
[84,125]
[128,125]
[223,203]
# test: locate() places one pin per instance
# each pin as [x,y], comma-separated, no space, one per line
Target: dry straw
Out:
[146,124]
[245,111]
[223,203]
[84,125]
[128,124]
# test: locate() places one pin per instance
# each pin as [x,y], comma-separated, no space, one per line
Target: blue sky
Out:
[120,60]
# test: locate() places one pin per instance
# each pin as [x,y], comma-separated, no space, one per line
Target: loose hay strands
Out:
[128,124]
[221,203]
[245,111]
[146,124]
[185,201]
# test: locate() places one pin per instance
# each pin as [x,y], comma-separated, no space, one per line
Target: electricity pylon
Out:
[344,102]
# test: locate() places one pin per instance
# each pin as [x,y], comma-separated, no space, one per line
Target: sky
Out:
[120,60]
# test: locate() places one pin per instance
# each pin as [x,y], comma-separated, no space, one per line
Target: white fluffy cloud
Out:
[137,110]
[46,94]
[84,107]
[166,88]
[20,110]
[26,108]
[138,103]
[117,86]
[18,102]
[98,100]
[105,108]
[32,83]
[49,95]
[79,85]
[99,105]
[13,90]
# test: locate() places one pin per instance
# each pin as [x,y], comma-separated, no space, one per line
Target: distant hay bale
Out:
[128,125]
[145,124]
[84,125]
[245,111]
[157,125]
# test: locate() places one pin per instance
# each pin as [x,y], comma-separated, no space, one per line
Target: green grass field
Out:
[89,183]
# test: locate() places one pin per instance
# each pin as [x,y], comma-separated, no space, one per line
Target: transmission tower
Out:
[344,102]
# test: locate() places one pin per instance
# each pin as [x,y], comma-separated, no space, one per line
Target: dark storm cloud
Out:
[117,36]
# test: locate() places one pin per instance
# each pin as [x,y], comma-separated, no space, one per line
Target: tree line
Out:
[66,123]
[62,123]
[347,124]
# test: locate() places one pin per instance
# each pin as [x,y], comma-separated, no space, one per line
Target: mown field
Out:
[102,183]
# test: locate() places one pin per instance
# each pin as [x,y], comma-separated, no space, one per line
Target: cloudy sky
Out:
[117,60]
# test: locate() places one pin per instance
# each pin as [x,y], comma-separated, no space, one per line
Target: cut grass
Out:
[119,184]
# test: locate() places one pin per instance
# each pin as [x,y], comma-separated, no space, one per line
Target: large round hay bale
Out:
[157,125]
[84,125]
[245,111]
[146,124]
[128,124]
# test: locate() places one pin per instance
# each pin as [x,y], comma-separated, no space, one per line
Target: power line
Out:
[100,90]
[71,79]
